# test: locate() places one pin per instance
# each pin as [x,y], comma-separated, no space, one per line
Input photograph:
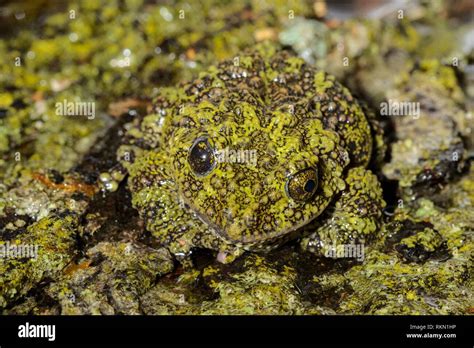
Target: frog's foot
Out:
[229,256]
[227,253]
[353,221]
[183,251]
[183,245]
[110,180]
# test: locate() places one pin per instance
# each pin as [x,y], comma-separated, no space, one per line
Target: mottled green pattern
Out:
[296,119]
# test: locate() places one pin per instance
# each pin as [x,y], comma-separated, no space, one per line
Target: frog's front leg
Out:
[354,219]
[169,219]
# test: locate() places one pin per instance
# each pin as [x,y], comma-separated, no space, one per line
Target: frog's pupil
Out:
[309,186]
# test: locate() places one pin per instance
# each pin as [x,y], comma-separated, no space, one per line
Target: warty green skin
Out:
[296,119]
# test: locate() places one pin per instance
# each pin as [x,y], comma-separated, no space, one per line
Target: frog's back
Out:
[284,84]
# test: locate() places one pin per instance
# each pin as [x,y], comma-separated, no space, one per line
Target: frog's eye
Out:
[201,157]
[302,185]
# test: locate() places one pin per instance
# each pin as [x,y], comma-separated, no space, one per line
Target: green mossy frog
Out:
[256,151]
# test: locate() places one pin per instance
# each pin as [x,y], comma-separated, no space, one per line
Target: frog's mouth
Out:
[255,238]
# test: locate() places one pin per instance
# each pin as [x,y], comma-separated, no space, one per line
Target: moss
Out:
[441,285]
[258,290]
[130,278]
[110,279]
[54,240]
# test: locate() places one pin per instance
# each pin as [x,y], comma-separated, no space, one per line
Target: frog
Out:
[256,151]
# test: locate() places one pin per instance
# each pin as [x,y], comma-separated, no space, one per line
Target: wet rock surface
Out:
[93,254]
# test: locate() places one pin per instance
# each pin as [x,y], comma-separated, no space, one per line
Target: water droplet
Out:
[73,37]
[20,15]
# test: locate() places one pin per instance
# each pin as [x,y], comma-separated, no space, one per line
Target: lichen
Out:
[91,262]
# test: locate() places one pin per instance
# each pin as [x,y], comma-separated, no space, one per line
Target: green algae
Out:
[256,288]
[129,278]
[110,279]
[54,238]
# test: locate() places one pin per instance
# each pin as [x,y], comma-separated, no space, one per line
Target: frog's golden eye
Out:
[201,157]
[302,185]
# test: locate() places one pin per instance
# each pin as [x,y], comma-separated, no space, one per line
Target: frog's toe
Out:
[228,256]
[110,180]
